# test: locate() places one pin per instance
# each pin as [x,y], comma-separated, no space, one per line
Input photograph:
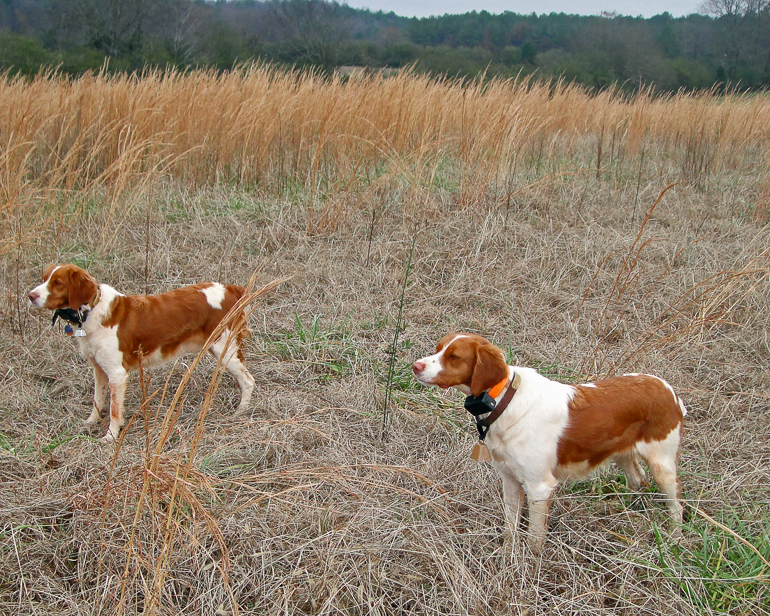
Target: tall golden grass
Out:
[116,133]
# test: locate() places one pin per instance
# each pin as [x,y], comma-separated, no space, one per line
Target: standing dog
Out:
[119,332]
[541,432]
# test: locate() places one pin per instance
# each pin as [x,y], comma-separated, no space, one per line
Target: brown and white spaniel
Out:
[549,432]
[117,332]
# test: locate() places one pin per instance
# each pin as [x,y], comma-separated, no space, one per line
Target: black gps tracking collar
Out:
[479,405]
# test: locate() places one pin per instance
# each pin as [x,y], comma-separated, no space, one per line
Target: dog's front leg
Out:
[539,501]
[513,501]
[101,384]
[117,394]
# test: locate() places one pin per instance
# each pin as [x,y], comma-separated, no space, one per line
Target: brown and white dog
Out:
[121,331]
[550,432]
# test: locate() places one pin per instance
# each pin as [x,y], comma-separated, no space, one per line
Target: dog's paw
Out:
[108,438]
[536,545]
[94,418]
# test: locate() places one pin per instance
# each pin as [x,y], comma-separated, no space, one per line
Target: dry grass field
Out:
[587,235]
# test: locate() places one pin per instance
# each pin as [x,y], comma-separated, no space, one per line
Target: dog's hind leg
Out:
[232,359]
[635,477]
[661,457]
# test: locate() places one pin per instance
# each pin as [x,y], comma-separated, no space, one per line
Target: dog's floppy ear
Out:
[489,370]
[81,288]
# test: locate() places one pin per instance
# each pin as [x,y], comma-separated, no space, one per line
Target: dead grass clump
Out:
[689,319]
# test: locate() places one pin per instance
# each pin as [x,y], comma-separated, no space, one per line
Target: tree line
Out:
[726,44]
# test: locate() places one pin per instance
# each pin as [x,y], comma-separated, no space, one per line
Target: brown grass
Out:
[300,507]
[113,135]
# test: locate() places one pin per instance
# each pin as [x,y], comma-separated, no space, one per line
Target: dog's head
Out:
[467,362]
[64,286]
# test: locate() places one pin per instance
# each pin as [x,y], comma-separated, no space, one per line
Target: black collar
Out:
[479,405]
[76,317]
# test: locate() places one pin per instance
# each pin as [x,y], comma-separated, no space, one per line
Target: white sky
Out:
[634,8]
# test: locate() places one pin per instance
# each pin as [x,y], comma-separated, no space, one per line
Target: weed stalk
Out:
[394,347]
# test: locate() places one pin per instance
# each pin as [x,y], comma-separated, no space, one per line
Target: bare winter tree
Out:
[183,23]
[745,36]
[113,26]
[310,30]
[755,6]
[722,8]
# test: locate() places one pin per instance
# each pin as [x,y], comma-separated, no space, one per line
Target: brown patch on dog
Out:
[143,320]
[617,413]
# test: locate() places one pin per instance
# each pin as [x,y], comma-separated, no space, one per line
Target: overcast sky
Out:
[425,8]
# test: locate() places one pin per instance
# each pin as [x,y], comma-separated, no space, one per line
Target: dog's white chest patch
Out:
[215,295]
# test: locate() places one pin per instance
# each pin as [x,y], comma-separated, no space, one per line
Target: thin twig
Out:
[394,347]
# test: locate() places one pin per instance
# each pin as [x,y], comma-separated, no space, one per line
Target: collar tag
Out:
[480,453]
[71,331]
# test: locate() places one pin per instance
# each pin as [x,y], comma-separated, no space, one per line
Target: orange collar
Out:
[482,425]
[498,389]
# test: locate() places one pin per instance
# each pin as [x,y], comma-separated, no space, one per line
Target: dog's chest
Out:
[525,438]
[516,457]
[100,344]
